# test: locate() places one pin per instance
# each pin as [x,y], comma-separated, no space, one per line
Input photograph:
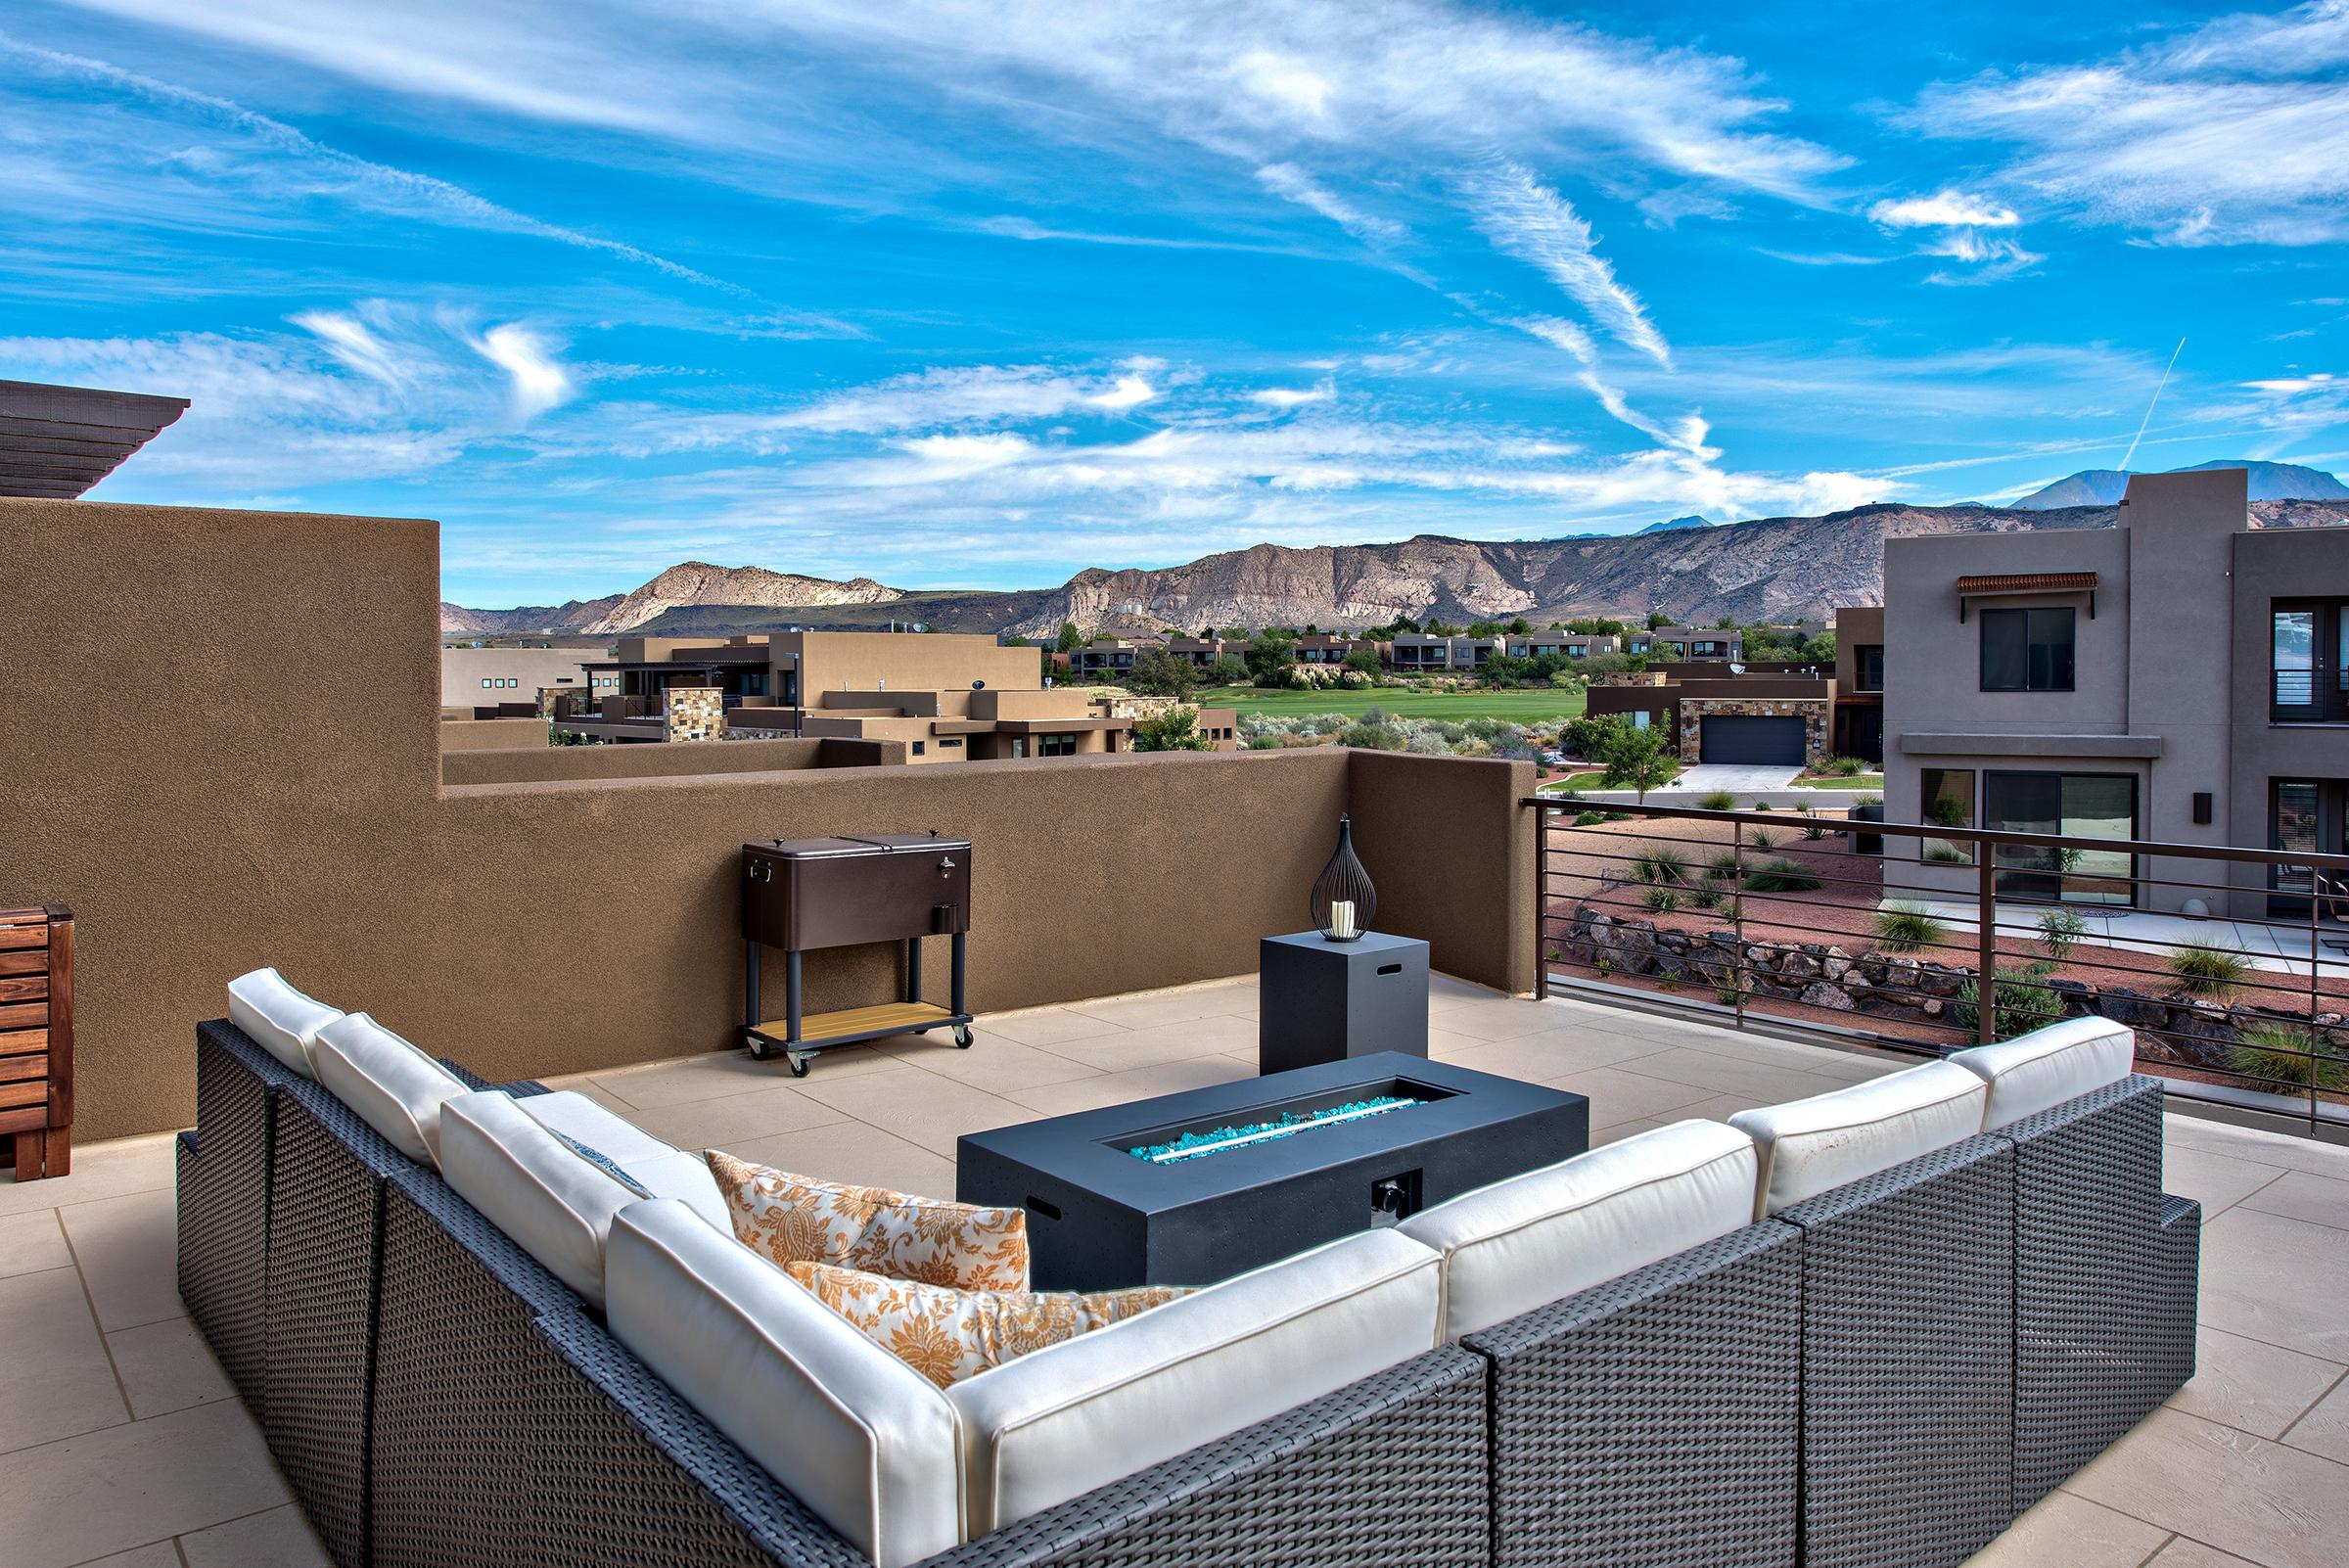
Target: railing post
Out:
[2316,932]
[1985,950]
[1737,919]
[1540,902]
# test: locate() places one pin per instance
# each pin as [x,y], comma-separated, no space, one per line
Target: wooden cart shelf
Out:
[885,1018]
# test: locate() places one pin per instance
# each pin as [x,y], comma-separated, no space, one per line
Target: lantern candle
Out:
[1341,920]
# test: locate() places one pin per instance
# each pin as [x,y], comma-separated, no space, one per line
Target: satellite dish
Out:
[978,685]
[1736,670]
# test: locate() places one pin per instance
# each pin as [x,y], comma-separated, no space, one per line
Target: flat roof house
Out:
[1859,723]
[1563,645]
[2182,677]
[512,673]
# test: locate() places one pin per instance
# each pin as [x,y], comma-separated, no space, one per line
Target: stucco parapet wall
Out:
[2031,745]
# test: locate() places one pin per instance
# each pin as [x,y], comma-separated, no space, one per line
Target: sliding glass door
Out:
[2078,805]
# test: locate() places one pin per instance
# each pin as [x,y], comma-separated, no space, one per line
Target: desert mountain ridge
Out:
[2268,482]
[1773,569]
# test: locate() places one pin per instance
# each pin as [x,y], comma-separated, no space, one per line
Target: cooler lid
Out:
[812,849]
[901,842]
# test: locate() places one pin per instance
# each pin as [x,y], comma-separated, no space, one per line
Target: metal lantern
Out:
[1344,901]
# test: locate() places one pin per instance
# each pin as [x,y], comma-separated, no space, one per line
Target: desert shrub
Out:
[1908,927]
[1588,818]
[1717,800]
[1723,867]
[1942,854]
[1782,876]
[1705,899]
[1662,900]
[1763,839]
[1867,800]
[1763,805]
[2059,931]
[2208,972]
[1659,866]
[2282,1055]
[2021,1001]
[1844,766]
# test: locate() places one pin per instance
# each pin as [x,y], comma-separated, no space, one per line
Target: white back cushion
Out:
[1527,1241]
[554,1204]
[281,1020]
[2049,1066]
[395,1088]
[1812,1146]
[662,1168]
[865,1440]
[1072,1416]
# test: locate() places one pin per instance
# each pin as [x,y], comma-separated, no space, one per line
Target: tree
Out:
[1272,659]
[1015,640]
[1726,623]
[1485,629]
[1157,672]
[1633,759]
[1589,735]
[1821,650]
[1658,620]
[1520,627]
[1366,661]
[1174,730]
[1438,629]
[1229,669]
[1071,639]
[1595,627]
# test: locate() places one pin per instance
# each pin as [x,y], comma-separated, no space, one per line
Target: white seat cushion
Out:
[1812,1146]
[865,1440]
[2049,1066]
[1527,1241]
[503,1156]
[395,1088]
[281,1020]
[1067,1418]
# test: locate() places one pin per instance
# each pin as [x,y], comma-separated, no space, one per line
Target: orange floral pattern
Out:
[790,1219]
[948,1335]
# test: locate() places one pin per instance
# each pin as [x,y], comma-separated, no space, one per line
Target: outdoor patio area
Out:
[126,1446]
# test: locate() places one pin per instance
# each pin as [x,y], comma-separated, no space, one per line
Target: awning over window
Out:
[2017,583]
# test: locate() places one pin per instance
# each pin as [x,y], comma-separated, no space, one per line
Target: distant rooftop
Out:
[57,441]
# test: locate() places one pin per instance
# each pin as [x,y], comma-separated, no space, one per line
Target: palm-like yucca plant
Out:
[1662,900]
[2059,931]
[1907,928]
[1725,866]
[2207,972]
[1659,867]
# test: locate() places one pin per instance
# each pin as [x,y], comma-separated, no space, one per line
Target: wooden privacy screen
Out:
[37,1039]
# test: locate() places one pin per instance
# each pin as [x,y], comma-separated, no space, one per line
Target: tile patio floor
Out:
[123,1445]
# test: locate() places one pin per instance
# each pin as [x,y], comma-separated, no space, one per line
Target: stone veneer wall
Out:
[696,714]
[1812,710]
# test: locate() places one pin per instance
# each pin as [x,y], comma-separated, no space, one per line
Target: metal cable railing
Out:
[2230,964]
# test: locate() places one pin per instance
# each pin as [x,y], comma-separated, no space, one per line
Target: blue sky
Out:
[979,294]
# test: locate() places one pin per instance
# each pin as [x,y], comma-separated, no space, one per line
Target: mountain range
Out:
[2268,481]
[1774,569]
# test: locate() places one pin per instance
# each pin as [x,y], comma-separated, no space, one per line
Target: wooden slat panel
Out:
[31,1119]
[23,1015]
[23,1069]
[61,1030]
[14,1095]
[17,1041]
[28,961]
[25,987]
[24,937]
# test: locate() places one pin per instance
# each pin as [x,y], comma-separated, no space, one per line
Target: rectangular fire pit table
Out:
[1189,1188]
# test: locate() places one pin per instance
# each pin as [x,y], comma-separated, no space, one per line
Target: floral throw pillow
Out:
[948,1335]
[789,1218]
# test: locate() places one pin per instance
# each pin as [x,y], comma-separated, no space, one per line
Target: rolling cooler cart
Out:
[804,893]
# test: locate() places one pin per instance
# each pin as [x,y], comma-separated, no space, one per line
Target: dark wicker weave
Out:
[2103,1287]
[1908,1361]
[326,1228]
[223,1207]
[1653,1419]
[535,1438]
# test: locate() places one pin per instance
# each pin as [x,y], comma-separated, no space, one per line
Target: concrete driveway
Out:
[1737,778]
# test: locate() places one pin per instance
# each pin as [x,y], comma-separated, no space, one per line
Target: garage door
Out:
[1775,742]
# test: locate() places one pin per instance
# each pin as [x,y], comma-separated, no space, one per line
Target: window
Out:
[486,683]
[2027,650]
[952,743]
[920,749]
[2309,652]
[2076,806]
[1946,799]
[1056,745]
[1870,657]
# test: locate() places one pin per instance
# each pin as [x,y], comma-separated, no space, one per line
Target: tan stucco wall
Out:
[844,661]
[491,734]
[544,763]
[276,823]
[463,670]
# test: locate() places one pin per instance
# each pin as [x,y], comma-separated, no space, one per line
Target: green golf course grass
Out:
[1533,705]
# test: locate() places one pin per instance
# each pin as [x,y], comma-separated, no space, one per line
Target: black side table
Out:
[1323,1001]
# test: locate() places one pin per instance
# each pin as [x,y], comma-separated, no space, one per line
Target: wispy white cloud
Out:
[2235,132]
[1293,397]
[1293,184]
[1946,209]
[1531,223]
[298,168]
[538,380]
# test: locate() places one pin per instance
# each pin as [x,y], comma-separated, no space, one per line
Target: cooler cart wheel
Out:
[799,1063]
[758,1047]
[962,1036]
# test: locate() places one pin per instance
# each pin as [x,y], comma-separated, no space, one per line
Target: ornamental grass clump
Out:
[2021,1001]
[2278,1053]
[1717,800]
[1659,867]
[1907,928]
[1662,900]
[1782,875]
[1723,867]
[2206,971]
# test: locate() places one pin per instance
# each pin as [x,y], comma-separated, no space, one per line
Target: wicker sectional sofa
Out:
[1867,1328]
